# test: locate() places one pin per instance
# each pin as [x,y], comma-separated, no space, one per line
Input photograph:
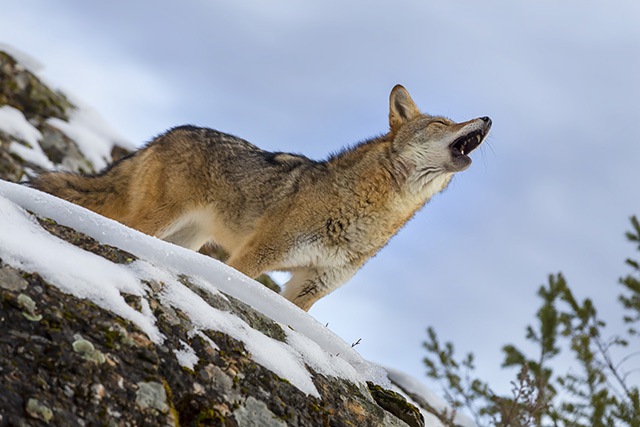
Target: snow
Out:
[13,123]
[211,343]
[412,385]
[95,138]
[33,155]
[187,356]
[27,61]
[93,135]
[26,245]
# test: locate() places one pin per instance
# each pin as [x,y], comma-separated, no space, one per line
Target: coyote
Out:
[319,220]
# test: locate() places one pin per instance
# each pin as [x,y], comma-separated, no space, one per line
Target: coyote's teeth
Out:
[466,144]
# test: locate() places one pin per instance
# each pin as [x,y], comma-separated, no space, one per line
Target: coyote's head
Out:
[429,147]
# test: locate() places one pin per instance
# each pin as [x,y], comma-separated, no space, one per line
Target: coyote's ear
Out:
[401,107]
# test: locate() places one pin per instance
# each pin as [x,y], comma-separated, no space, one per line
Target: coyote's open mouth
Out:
[467,143]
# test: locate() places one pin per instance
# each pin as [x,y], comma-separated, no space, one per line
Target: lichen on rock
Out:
[21,89]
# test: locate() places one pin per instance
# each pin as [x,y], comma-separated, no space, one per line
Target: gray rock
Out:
[11,279]
[152,395]
[254,413]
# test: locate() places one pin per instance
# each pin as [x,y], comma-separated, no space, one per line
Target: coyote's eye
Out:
[438,123]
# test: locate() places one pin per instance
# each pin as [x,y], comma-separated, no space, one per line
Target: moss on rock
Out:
[24,91]
[85,242]
[396,404]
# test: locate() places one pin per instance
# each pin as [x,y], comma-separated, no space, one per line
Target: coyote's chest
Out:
[345,240]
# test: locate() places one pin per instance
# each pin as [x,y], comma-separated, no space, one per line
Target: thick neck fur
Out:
[375,160]
[369,161]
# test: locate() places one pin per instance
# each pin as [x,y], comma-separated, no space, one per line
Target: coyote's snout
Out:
[319,220]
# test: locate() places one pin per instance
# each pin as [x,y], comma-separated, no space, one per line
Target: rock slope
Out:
[100,325]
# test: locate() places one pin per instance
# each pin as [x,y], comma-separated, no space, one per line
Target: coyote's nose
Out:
[485,119]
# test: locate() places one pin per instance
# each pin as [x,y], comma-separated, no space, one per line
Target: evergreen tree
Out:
[595,392]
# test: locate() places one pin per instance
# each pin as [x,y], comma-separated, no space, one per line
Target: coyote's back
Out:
[320,220]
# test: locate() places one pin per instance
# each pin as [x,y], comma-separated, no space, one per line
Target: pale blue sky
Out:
[552,190]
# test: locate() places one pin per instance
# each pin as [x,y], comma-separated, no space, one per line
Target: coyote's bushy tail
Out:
[102,193]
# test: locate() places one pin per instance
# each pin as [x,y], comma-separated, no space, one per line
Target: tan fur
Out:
[277,211]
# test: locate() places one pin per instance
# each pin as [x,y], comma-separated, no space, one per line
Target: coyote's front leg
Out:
[308,285]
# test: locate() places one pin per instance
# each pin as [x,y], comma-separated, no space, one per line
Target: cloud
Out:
[552,193]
